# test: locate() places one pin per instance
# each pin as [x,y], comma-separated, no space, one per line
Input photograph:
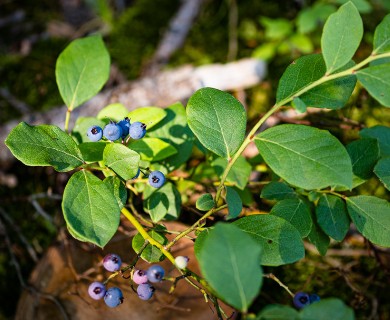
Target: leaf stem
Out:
[273,277]
[67,119]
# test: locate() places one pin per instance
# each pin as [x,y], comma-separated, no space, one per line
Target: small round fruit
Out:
[137,130]
[113,297]
[155,273]
[156,179]
[140,277]
[112,131]
[95,133]
[112,262]
[145,291]
[125,126]
[96,290]
[301,299]
[181,262]
[314,297]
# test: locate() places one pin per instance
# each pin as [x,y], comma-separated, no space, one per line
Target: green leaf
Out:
[276,29]
[82,125]
[330,308]
[382,171]
[305,157]
[319,239]
[150,253]
[90,209]
[371,217]
[148,115]
[332,216]
[382,36]
[114,111]
[376,80]
[152,149]
[332,94]
[296,212]
[382,135]
[234,203]
[239,173]
[341,36]
[205,202]
[118,189]
[364,154]
[299,105]
[200,239]
[123,161]
[174,130]
[92,151]
[165,202]
[277,191]
[221,262]
[310,17]
[218,120]
[279,240]
[44,145]
[277,312]
[82,69]
[363,6]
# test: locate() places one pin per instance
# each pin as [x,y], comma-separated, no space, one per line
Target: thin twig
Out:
[272,276]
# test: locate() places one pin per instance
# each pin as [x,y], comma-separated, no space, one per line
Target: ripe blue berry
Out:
[96,290]
[137,130]
[95,133]
[112,131]
[314,297]
[145,291]
[112,262]
[125,126]
[156,179]
[113,297]
[181,262]
[301,299]
[155,273]
[140,277]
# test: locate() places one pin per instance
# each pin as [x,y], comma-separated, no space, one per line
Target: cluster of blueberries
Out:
[136,130]
[302,299]
[113,131]
[113,296]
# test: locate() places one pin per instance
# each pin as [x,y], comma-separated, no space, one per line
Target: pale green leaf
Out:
[382,36]
[152,149]
[114,111]
[148,115]
[123,161]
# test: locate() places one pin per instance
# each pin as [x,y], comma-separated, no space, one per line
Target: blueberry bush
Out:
[119,155]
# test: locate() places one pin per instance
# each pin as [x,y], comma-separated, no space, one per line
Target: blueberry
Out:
[137,175]
[112,131]
[314,297]
[156,179]
[112,262]
[137,130]
[113,297]
[301,299]
[140,277]
[155,273]
[181,262]
[145,291]
[125,126]
[96,290]
[95,133]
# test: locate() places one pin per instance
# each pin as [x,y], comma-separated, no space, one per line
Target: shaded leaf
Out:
[238,174]
[118,189]
[330,308]
[150,253]
[234,203]
[277,191]
[382,171]
[205,202]
[382,135]
[364,154]
[382,36]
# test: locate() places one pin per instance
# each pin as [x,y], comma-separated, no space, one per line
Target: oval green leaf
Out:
[371,217]
[376,80]
[234,203]
[205,202]
[341,36]
[305,157]
[319,239]
[221,261]
[295,211]
[90,209]
[382,36]
[44,145]
[152,149]
[332,216]
[114,112]
[82,69]
[118,189]
[382,135]
[148,115]
[150,253]
[218,120]
[278,312]
[330,308]
[123,161]
[279,240]
[382,171]
[92,151]
[239,172]
[364,154]
[277,191]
